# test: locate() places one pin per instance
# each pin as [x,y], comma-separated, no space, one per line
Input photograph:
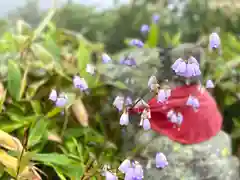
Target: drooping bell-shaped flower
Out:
[214,41]
[155,18]
[209,84]
[53,95]
[161,160]
[61,100]
[128,101]
[136,42]
[124,119]
[124,166]
[179,118]
[170,113]
[181,68]
[146,124]
[90,69]
[144,28]
[192,70]
[110,176]
[192,101]
[118,102]
[129,175]
[138,172]
[176,64]
[130,62]
[80,83]
[152,80]
[106,58]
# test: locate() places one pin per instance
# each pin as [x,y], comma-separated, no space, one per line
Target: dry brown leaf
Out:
[12,163]
[9,142]
[54,137]
[80,112]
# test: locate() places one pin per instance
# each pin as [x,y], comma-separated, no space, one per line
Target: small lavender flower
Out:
[124,166]
[144,28]
[124,119]
[155,18]
[80,83]
[209,84]
[161,160]
[110,176]
[129,62]
[129,175]
[128,101]
[170,113]
[138,172]
[106,58]
[61,100]
[214,41]
[118,102]
[90,69]
[146,124]
[136,42]
[192,70]
[189,101]
[53,95]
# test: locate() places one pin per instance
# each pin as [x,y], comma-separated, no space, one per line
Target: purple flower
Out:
[110,176]
[138,172]
[61,100]
[146,124]
[129,175]
[155,18]
[106,58]
[124,166]
[144,28]
[209,84]
[80,83]
[118,102]
[161,160]
[128,101]
[124,119]
[53,95]
[214,41]
[136,42]
[192,70]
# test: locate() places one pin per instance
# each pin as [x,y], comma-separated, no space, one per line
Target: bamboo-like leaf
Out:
[14,79]
[43,24]
[24,83]
[9,142]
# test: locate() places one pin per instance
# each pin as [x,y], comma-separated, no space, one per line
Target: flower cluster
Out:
[185,68]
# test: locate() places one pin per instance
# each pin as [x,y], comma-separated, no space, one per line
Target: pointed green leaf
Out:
[14,79]
[43,24]
[152,40]
[37,132]
[53,112]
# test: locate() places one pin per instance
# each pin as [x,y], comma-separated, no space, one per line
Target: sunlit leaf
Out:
[152,40]
[14,79]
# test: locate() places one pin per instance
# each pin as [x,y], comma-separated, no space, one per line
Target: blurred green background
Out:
[42,49]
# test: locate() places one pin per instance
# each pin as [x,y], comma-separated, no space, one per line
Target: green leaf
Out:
[36,105]
[54,158]
[33,88]
[2,100]
[14,79]
[24,82]
[152,40]
[43,24]
[37,132]
[59,173]
[53,112]
[83,57]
